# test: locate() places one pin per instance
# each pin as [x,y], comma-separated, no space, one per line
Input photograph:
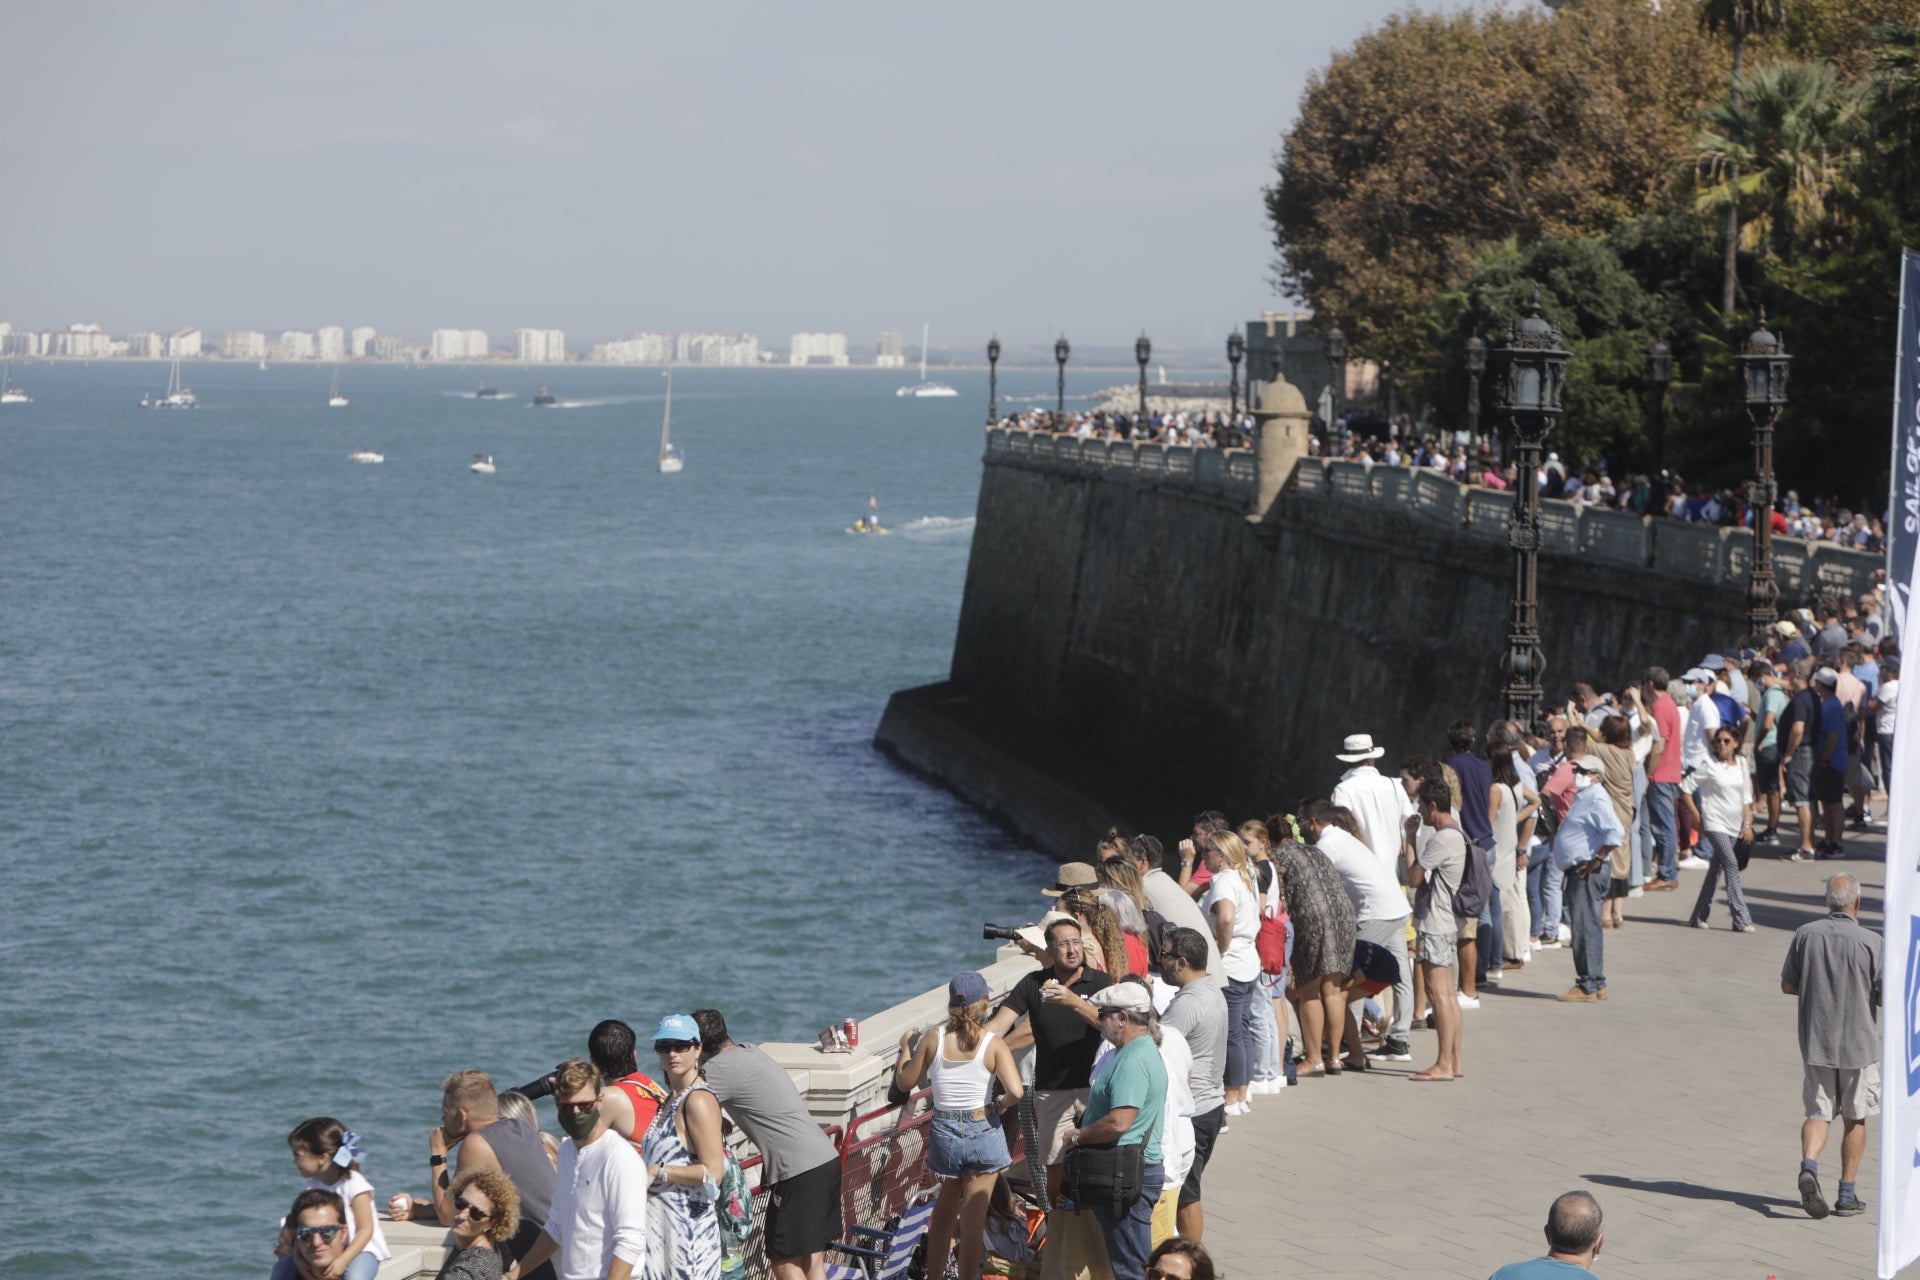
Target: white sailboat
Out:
[671,463]
[366,455]
[482,464]
[10,394]
[334,399]
[926,389]
[177,396]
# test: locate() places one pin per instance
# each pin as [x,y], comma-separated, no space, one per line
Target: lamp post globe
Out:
[1236,351]
[1060,352]
[1763,375]
[993,380]
[1143,352]
[1532,389]
[1659,375]
[1337,357]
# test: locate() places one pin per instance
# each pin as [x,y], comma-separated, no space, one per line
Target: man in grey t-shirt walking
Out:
[1833,967]
[1198,1012]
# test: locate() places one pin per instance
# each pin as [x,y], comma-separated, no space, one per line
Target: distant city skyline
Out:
[858,168]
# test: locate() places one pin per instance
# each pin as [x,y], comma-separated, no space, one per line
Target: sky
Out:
[1092,167]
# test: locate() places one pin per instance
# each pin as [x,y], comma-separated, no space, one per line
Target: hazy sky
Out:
[1087,165]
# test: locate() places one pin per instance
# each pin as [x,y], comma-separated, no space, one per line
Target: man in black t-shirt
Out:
[1064,1043]
[1799,731]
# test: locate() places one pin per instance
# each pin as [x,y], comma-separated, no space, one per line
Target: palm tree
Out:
[1739,19]
[1784,143]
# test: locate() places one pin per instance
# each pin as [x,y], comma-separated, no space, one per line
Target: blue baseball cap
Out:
[677,1026]
[966,988]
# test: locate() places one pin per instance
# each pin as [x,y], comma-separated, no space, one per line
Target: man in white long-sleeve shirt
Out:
[598,1220]
[1379,804]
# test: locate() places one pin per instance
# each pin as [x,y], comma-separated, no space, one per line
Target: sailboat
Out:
[10,394]
[177,396]
[670,460]
[925,388]
[334,399]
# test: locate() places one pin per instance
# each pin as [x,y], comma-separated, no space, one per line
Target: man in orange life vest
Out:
[631,1098]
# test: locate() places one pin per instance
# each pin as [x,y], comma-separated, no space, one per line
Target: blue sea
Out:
[319,780]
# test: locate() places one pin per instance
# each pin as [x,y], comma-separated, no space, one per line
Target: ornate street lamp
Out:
[993,380]
[1143,352]
[1763,368]
[1659,375]
[1060,352]
[1476,365]
[1236,351]
[1536,377]
[1337,357]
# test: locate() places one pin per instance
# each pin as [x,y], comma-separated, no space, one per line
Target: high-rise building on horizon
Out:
[890,352]
[183,344]
[244,344]
[146,346]
[635,348]
[732,350]
[330,343]
[384,347]
[458,344]
[82,340]
[296,344]
[818,348]
[540,346]
[359,342]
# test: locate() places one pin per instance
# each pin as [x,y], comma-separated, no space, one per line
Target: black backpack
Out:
[1476,884]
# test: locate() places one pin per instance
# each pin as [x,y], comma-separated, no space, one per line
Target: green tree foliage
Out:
[1439,136]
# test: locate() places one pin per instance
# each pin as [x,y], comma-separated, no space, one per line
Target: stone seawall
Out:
[1133,646]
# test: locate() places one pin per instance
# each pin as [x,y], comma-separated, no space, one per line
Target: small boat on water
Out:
[546,399]
[671,461]
[263,366]
[482,464]
[366,455]
[334,399]
[10,394]
[923,389]
[176,397]
[485,392]
[870,523]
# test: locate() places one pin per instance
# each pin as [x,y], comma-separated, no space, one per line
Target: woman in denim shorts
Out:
[967,1147]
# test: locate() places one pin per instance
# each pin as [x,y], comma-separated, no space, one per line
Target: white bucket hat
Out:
[1360,748]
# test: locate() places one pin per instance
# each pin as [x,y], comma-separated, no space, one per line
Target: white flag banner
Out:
[1900,1012]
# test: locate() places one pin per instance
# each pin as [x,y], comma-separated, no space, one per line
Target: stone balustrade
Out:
[1703,553]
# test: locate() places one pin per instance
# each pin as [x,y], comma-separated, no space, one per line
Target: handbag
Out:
[1270,944]
[1107,1175]
[1075,1249]
[1742,853]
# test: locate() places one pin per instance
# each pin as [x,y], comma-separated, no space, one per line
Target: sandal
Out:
[1427,1077]
[1349,1064]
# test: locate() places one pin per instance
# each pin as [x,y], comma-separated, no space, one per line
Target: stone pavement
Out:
[1676,1102]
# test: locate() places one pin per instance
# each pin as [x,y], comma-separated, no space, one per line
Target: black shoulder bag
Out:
[1107,1176]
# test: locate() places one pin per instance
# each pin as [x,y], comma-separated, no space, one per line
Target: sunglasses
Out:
[674,1046]
[461,1208]
[566,1108]
[307,1235]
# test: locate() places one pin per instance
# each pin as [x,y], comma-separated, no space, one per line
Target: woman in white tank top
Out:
[967,1147]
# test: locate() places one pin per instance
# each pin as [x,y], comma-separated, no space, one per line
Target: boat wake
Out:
[929,527]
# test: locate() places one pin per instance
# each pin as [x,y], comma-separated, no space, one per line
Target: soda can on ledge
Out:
[852,1027]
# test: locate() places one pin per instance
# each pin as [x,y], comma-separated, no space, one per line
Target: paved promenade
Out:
[1676,1102]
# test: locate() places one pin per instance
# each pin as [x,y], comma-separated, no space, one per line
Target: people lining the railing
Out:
[1199,430]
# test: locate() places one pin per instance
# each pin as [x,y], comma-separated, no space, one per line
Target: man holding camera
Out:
[1064,1044]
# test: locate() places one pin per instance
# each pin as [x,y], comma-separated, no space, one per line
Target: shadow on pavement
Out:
[1762,1205]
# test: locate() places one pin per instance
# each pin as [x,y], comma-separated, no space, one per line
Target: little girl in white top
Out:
[328,1155]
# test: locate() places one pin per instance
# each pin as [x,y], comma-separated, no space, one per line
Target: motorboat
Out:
[671,461]
[482,464]
[485,392]
[366,455]
[176,397]
[923,389]
[10,394]
[870,523]
[545,400]
[334,399]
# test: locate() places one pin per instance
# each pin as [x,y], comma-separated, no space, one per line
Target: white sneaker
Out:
[1638,891]
[1566,933]
[1466,1001]
[1691,863]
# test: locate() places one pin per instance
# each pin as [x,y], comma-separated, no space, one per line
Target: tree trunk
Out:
[1730,265]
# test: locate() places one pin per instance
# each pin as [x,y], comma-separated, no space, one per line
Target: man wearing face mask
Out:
[1582,849]
[598,1222]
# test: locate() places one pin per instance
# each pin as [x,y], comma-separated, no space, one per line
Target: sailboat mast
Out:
[925,328]
[666,419]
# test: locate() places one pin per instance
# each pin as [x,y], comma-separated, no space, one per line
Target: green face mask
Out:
[579,1124]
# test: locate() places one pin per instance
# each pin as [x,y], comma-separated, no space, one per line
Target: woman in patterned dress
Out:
[1323,937]
[685,1155]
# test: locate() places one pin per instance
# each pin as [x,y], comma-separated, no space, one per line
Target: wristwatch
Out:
[436,1161]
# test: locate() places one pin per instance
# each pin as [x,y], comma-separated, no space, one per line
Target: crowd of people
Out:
[1175,987]
[1199,429]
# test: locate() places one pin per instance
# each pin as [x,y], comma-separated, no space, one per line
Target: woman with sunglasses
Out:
[685,1157]
[1719,796]
[1179,1258]
[486,1213]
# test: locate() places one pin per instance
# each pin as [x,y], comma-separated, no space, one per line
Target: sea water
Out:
[321,780]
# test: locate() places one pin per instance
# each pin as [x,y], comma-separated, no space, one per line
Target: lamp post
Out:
[1337,357]
[1060,352]
[1143,352]
[1536,377]
[993,380]
[1476,365]
[1659,375]
[1236,351]
[1763,368]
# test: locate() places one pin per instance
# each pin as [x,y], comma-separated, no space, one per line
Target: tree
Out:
[1739,19]
[1440,136]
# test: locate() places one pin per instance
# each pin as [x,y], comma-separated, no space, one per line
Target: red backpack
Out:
[1271,943]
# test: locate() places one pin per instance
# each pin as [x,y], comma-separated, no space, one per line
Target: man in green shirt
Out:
[1125,1107]
[1766,749]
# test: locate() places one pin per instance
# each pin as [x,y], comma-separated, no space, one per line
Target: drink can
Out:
[852,1027]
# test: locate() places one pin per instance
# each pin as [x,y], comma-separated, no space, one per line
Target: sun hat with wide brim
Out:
[1359,748]
[1073,875]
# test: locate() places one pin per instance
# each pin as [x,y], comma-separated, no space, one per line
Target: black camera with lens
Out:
[1004,932]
